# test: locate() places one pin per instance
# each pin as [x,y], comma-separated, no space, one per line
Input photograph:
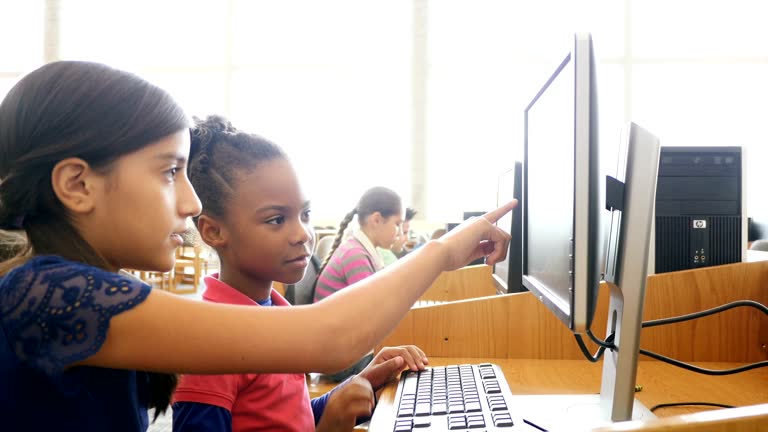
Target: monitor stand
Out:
[568,411]
[616,401]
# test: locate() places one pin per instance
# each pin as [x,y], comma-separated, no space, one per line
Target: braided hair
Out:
[219,155]
[378,199]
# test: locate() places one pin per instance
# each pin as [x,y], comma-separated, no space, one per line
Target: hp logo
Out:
[699,223]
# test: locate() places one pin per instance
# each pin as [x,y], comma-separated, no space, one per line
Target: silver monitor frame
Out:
[585,267]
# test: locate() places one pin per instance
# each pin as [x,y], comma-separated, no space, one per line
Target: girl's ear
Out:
[212,232]
[377,218]
[75,185]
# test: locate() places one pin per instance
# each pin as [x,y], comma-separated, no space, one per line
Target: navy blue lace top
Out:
[53,313]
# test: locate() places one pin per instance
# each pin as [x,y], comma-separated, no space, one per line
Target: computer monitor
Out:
[562,214]
[507,274]
[757,228]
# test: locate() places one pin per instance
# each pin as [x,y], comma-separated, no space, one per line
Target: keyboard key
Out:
[403,425]
[457,422]
[439,408]
[422,422]
[471,399]
[473,407]
[492,387]
[486,371]
[410,383]
[475,424]
[422,409]
[405,413]
[502,419]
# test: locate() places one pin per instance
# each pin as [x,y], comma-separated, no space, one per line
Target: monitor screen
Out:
[561,212]
[504,194]
[507,273]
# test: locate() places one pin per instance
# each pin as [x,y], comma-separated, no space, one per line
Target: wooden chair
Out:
[189,258]
[165,281]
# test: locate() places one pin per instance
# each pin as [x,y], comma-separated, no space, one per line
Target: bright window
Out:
[338,85]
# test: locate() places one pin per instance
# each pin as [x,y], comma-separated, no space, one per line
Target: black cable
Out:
[692,368]
[585,350]
[667,405]
[608,343]
[681,318]
[695,315]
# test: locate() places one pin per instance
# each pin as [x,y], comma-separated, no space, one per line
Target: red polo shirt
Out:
[275,402]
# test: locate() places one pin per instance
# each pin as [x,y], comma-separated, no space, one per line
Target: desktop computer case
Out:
[700,217]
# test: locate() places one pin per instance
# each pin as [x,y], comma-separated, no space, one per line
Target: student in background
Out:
[379,216]
[400,246]
[256,218]
[93,170]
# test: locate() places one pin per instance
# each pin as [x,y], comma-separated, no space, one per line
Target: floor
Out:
[163,423]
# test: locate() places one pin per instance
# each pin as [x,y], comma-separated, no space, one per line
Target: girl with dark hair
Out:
[256,217]
[379,215]
[93,170]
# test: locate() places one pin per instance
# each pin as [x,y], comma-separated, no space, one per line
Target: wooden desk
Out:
[661,383]
[539,356]
[466,283]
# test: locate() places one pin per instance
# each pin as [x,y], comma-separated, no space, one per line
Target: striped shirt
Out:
[350,263]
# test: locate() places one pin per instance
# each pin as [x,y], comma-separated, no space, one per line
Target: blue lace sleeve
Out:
[56,312]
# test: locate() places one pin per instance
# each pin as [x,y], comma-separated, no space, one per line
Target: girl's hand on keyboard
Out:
[390,361]
[477,238]
[353,399]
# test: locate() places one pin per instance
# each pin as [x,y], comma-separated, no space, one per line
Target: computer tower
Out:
[700,216]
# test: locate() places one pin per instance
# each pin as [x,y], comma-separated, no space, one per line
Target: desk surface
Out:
[661,383]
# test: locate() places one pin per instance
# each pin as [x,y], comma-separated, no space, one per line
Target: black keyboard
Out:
[456,397]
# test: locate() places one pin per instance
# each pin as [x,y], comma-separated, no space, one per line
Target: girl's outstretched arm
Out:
[169,333]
